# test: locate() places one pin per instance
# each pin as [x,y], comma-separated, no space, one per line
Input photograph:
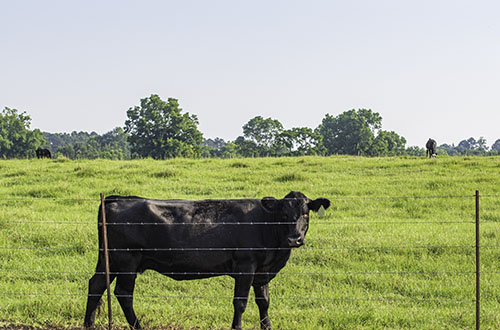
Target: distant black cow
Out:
[247,239]
[431,146]
[43,153]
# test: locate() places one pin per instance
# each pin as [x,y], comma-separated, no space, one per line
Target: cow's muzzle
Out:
[296,241]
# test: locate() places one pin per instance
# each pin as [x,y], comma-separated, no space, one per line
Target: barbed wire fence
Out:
[474,245]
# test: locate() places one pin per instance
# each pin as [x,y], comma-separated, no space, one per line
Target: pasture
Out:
[394,251]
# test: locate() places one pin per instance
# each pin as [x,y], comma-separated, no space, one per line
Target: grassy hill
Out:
[395,250]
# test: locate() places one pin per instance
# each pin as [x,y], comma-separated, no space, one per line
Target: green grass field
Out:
[395,250]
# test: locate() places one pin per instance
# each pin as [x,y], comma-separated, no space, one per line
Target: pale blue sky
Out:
[430,68]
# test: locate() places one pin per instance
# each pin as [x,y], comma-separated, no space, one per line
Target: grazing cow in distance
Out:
[431,146]
[43,153]
[247,239]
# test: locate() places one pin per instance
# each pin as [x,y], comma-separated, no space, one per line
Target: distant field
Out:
[395,250]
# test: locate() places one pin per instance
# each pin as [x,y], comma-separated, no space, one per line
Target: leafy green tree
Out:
[481,145]
[246,148]
[229,150]
[379,147]
[208,151]
[263,133]
[67,151]
[219,148]
[466,145]
[159,130]
[451,150]
[78,145]
[114,144]
[16,138]
[211,148]
[415,151]
[387,144]
[352,132]
[299,141]
[267,137]
[472,147]
[469,146]
[64,143]
[496,147]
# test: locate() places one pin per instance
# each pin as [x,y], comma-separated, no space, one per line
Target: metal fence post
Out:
[478,287]
[106,259]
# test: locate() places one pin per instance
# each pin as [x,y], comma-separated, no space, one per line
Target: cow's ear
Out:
[269,203]
[317,203]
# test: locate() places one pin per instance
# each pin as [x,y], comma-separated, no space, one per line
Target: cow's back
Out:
[187,236]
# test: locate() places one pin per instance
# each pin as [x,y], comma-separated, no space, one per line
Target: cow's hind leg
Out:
[97,285]
[262,300]
[124,291]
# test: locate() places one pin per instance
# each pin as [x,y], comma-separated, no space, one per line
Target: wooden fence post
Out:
[478,286]
[106,259]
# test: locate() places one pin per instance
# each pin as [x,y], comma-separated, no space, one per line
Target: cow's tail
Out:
[99,231]
[107,201]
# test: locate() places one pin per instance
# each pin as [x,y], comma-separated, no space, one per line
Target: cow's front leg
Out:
[262,300]
[241,289]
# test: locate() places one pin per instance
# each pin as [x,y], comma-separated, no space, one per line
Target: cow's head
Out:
[294,209]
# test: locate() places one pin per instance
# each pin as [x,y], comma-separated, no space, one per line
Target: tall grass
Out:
[395,250]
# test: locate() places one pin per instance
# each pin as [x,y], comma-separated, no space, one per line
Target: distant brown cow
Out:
[431,146]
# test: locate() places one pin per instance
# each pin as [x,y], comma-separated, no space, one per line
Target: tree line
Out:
[159,129]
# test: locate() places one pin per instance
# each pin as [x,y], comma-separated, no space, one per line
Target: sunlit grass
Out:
[395,250]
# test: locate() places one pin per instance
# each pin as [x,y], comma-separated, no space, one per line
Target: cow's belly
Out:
[188,265]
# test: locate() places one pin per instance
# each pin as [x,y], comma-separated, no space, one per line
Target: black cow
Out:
[247,239]
[431,146]
[43,153]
